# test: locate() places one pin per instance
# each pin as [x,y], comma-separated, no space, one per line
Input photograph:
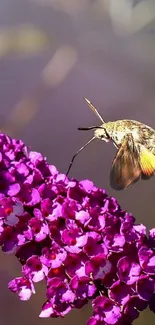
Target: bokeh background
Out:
[52,53]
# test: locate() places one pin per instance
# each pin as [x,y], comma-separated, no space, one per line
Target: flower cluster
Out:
[75,237]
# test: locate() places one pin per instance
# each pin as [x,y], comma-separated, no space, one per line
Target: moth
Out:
[135,143]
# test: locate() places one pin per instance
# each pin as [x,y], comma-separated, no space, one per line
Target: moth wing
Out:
[125,168]
[147,162]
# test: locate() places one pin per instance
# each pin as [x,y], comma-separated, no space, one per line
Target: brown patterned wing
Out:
[125,168]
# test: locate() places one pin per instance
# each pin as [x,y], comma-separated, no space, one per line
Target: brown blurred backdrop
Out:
[52,53]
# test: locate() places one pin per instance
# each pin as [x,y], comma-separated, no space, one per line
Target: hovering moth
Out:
[135,143]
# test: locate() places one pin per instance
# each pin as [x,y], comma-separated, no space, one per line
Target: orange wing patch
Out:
[147,163]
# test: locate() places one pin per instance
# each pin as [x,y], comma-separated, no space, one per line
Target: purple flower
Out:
[83,287]
[53,257]
[145,287]
[120,292]
[128,270]
[23,287]
[74,237]
[34,269]
[60,298]
[106,311]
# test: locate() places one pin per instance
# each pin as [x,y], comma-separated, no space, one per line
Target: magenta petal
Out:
[13,189]
[113,316]
[68,296]
[130,310]
[23,287]
[120,292]
[145,287]
[151,265]
[74,282]
[87,185]
[25,294]
[81,240]
[128,270]
[47,310]
[141,229]
[82,216]
[35,198]
[152,233]
[92,321]
[102,302]
[22,169]
[147,260]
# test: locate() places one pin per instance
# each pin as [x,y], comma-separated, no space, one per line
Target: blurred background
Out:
[52,53]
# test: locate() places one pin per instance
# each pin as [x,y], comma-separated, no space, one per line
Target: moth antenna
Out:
[89,128]
[92,107]
[83,147]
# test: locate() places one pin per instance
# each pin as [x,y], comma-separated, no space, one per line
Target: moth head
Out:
[101,134]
